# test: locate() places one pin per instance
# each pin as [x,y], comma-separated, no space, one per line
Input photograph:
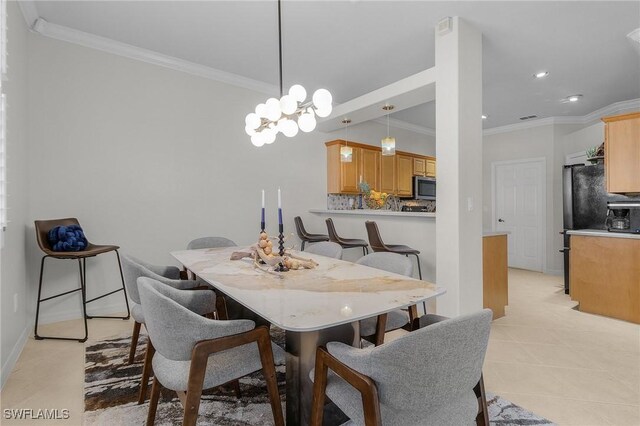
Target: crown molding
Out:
[399,124]
[70,35]
[595,116]
[29,12]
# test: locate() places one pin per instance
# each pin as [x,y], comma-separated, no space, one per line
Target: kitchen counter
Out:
[368,212]
[602,233]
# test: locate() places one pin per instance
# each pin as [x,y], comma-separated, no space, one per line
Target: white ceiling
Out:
[354,47]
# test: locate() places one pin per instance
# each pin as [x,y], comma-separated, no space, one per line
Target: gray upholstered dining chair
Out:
[210,242]
[226,307]
[194,353]
[204,302]
[326,248]
[373,329]
[426,377]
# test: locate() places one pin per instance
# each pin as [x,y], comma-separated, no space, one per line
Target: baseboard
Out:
[72,314]
[8,365]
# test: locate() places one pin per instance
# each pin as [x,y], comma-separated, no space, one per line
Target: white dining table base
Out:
[301,357]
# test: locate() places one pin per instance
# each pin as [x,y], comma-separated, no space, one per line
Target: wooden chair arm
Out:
[363,384]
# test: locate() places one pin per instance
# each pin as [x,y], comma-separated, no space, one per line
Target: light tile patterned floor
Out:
[570,367]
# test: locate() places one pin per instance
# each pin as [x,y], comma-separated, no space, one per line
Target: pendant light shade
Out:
[346,152]
[290,113]
[388,144]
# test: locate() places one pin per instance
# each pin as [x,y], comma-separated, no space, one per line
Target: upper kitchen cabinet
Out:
[419,166]
[404,175]
[370,167]
[431,167]
[388,173]
[342,178]
[622,153]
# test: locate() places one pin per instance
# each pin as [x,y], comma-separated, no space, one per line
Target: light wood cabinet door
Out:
[431,168]
[350,173]
[419,166]
[370,169]
[495,276]
[622,153]
[404,175]
[388,174]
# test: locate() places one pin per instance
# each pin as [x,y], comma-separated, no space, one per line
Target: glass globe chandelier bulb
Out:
[252,120]
[324,112]
[288,104]
[298,92]
[307,122]
[261,110]
[250,130]
[289,128]
[322,98]
[269,135]
[273,109]
[257,140]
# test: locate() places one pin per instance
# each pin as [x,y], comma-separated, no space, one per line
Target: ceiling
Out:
[354,47]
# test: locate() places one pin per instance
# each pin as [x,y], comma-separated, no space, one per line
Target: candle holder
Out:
[281,267]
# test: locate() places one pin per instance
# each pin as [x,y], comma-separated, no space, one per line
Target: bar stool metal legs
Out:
[123,289]
[82,269]
[82,294]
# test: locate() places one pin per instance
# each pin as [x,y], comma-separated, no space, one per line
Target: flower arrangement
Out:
[373,199]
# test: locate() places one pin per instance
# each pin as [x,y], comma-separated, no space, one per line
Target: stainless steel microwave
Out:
[424,188]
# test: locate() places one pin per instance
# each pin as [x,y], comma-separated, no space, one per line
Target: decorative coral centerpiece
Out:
[373,199]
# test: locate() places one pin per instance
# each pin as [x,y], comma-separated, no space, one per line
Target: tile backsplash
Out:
[351,202]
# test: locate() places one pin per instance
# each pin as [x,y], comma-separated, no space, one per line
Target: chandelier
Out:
[290,113]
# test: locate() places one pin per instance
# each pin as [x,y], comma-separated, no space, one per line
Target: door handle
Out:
[500,220]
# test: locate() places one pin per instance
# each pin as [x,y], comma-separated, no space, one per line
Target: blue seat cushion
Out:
[67,238]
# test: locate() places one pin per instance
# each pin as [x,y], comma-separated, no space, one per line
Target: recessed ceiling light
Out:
[484,117]
[541,74]
[574,98]
[634,35]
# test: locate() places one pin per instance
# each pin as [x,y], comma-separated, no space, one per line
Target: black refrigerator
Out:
[585,200]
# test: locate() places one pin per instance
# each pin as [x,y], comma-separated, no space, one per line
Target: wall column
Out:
[459,154]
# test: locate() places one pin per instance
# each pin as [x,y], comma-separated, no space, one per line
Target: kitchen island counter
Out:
[603,233]
[369,212]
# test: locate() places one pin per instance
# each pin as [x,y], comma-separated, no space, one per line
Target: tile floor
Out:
[570,367]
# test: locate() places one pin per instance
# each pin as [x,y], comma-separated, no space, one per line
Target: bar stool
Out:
[378,245]
[345,242]
[305,236]
[42,229]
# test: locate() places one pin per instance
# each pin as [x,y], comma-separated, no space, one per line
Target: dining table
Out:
[313,306]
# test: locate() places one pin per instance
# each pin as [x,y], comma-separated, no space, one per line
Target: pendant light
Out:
[290,113]
[388,143]
[346,152]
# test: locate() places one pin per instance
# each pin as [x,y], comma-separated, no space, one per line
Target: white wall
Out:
[14,325]
[582,139]
[372,132]
[150,158]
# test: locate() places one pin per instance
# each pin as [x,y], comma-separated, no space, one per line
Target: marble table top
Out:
[336,292]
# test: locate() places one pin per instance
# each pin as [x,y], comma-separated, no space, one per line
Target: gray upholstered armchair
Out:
[426,377]
[373,329]
[202,301]
[195,353]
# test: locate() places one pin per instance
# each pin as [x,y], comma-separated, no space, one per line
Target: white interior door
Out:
[518,209]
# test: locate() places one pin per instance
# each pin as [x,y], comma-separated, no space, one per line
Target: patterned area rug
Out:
[111,394]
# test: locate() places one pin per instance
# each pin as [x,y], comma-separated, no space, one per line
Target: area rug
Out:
[111,394]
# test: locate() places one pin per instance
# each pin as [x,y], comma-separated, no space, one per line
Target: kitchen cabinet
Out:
[622,153]
[404,175]
[342,178]
[370,167]
[604,274]
[495,276]
[392,174]
[419,166]
[430,167]
[388,173]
